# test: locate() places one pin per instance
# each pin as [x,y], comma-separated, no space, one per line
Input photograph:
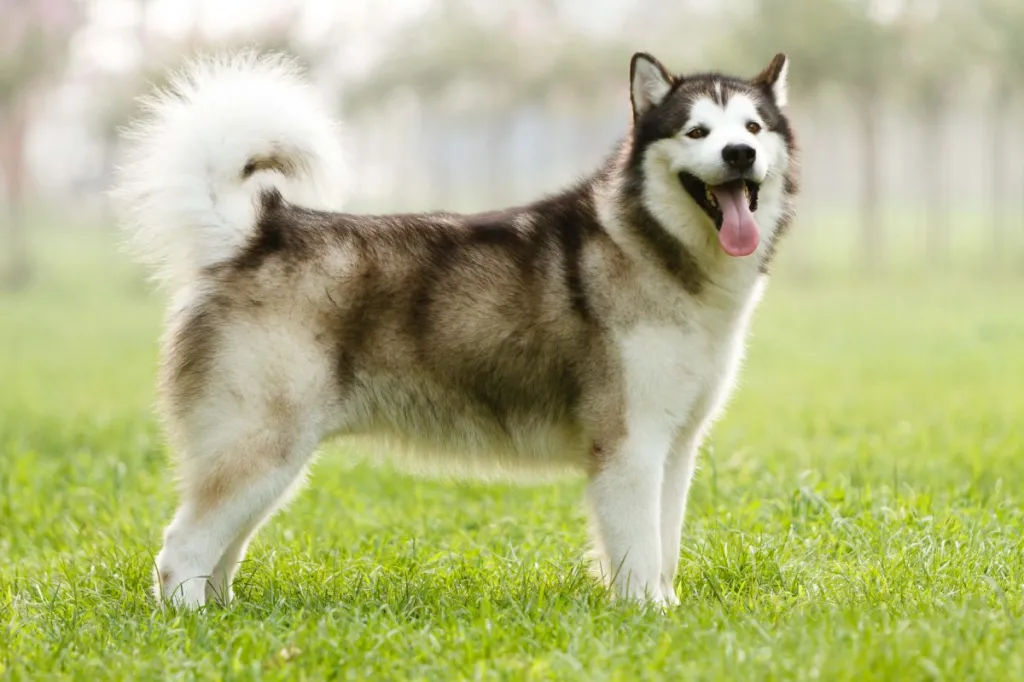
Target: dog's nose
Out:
[739,156]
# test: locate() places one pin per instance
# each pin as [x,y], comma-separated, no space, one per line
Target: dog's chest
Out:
[667,368]
[670,363]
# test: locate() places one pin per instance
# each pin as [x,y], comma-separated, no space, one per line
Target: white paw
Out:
[662,599]
[644,593]
[189,593]
[657,601]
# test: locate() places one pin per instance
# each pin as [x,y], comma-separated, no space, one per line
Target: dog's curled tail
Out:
[207,150]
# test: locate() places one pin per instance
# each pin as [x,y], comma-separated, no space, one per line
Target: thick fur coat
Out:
[599,329]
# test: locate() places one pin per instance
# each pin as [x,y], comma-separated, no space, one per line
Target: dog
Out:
[599,329]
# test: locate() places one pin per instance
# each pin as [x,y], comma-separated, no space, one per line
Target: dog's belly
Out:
[440,426]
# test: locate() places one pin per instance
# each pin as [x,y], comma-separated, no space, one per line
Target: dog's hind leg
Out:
[234,473]
[219,586]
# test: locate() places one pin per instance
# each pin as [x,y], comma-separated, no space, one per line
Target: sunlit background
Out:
[906,109]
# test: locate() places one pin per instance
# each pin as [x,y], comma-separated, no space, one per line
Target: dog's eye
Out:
[697,133]
[753,127]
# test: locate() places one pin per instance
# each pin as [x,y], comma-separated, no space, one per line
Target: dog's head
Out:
[720,142]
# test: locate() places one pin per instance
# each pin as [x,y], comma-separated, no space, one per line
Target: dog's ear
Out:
[649,82]
[775,79]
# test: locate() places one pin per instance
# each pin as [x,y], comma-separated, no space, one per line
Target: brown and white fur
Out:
[599,329]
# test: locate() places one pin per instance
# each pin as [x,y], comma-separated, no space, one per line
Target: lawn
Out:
[859,513]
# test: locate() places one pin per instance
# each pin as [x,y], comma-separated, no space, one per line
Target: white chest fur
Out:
[678,372]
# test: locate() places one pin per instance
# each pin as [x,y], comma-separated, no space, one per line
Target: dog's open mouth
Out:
[731,207]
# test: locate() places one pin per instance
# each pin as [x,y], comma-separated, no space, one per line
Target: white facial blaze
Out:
[726,125]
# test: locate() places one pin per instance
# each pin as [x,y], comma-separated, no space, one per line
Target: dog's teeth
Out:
[711,198]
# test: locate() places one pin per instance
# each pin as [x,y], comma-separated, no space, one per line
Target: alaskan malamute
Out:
[597,329]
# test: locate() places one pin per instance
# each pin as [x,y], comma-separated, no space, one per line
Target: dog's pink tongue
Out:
[738,235]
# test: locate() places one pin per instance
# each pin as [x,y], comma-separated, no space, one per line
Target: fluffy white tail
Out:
[224,131]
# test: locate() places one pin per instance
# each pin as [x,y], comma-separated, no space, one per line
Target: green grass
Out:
[858,514]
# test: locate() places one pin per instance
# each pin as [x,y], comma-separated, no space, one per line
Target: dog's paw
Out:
[659,603]
[653,599]
[187,594]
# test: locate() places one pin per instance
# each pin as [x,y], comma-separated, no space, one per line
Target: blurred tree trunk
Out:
[14,264]
[870,215]
[936,210]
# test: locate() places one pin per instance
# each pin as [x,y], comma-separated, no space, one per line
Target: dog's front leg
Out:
[625,493]
[679,468]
